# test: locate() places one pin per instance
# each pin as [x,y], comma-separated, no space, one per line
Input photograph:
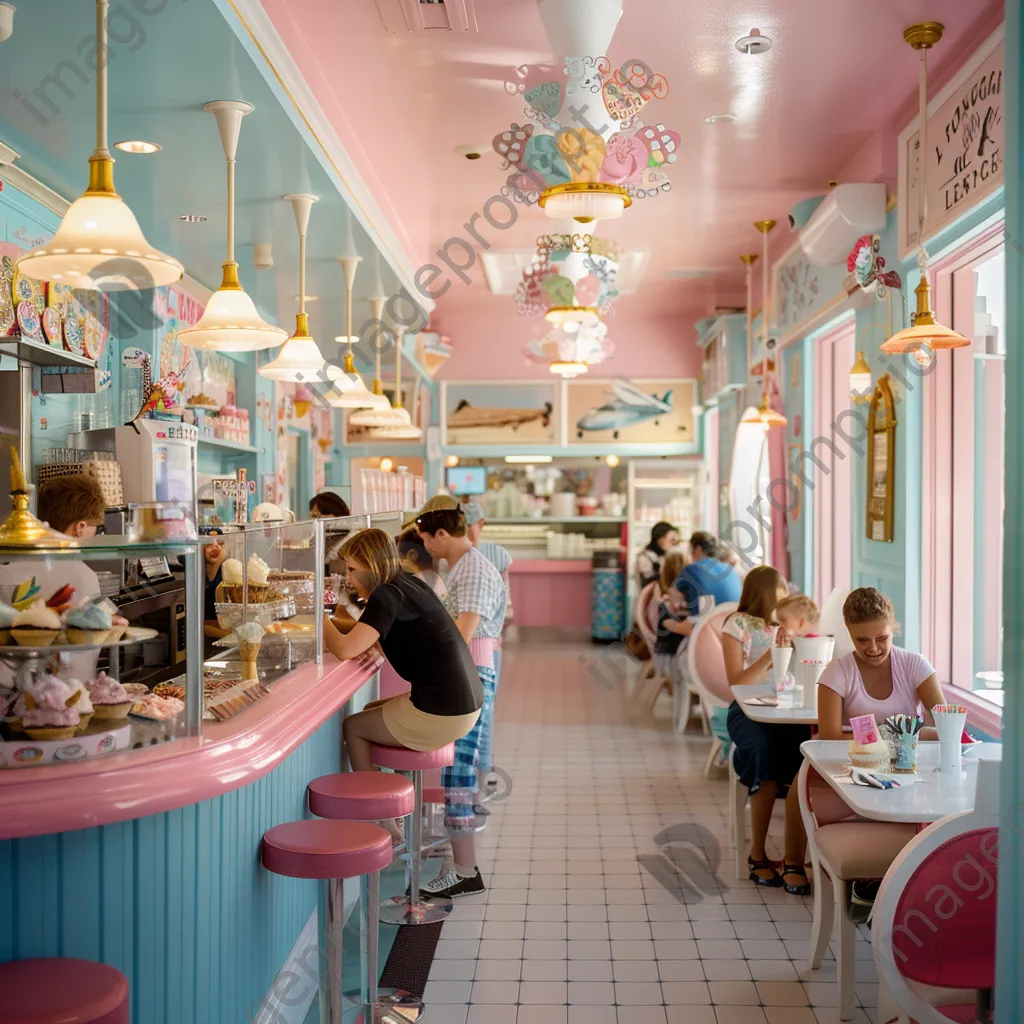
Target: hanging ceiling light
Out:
[860,381]
[926,334]
[299,360]
[586,173]
[764,414]
[407,430]
[571,349]
[99,244]
[748,260]
[349,390]
[568,370]
[230,322]
[381,414]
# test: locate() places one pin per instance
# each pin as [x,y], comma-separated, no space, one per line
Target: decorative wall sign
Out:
[636,412]
[966,151]
[881,491]
[802,291]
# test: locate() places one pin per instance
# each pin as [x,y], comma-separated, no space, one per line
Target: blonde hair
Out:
[761,592]
[802,605]
[868,605]
[671,566]
[377,551]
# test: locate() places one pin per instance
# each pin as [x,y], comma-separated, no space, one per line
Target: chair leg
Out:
[846,937]
[680,707]
[738,802]
[705,721]
[824,914]
[716,749]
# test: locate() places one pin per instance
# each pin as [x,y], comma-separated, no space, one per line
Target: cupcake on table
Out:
[109,698]
[50,712]
[88,624]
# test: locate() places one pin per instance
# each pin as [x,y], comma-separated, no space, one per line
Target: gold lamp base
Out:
[925,35]
[21,529]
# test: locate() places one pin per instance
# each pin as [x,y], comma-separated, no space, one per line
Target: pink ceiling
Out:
[826,101]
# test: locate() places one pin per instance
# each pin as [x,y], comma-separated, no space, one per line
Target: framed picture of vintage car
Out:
[881,490]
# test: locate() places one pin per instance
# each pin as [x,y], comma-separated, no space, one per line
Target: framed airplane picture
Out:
[502,413]
[630,411]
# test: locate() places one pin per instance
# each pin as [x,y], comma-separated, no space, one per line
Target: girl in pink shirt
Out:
[876,678]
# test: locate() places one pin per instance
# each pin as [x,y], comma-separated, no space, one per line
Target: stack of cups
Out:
[949,723]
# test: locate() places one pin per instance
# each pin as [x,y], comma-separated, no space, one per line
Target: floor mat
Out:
[411,956]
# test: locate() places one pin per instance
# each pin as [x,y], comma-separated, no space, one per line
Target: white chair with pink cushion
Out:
[843,849]
[933,930]
[651,682]
[705,668]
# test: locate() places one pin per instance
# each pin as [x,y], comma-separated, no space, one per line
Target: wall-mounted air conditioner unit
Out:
[845,214]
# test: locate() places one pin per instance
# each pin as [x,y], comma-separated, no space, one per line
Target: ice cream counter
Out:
[551,592]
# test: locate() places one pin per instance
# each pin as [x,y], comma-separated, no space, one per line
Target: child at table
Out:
[797,616]
[767,756]
[673,626]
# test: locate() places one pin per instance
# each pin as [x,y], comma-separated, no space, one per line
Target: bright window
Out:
[749,480]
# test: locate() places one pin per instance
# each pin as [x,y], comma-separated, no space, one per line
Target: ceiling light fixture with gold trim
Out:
[99,244]
[381,414]
[299,360]
[405,430]
[926,334]
[230,322]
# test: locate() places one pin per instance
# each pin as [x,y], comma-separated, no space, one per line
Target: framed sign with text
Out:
[966,151]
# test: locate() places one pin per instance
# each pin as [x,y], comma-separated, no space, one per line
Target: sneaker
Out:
[451,884]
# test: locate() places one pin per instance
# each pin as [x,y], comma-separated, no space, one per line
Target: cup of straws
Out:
[903,734]
[949,724]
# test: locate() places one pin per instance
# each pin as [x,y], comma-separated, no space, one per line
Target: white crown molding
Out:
[257,33]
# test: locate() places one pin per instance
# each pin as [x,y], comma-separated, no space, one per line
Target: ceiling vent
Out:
[402,16]
[504,270]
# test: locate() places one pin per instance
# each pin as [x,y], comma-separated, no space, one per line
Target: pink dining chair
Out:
[651,682]
[843,848]
[933,930]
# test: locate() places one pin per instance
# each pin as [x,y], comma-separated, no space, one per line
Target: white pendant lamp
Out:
[230,322]
[99,244]
[349,390]
[927,334]
[299,360]
[381,414]
[405,430]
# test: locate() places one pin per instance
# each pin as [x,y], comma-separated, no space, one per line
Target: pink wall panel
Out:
[551,599]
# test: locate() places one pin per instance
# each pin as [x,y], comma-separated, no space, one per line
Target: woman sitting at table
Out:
[767,756]
[876,678]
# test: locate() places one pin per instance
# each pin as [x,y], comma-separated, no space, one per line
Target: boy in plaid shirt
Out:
[476,601]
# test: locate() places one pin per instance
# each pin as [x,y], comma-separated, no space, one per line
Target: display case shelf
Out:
[230,446]
[541,520]
[35,353]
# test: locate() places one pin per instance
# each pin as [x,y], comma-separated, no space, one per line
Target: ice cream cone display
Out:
[109,698]
[36,626]
[21,529]
[255,581]
[50,712]
[250,636]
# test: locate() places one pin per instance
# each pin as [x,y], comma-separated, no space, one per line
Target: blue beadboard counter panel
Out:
[179,901]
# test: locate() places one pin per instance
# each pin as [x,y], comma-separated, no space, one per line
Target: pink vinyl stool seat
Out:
[361,796]
[326,849]
[400,759]
[433,794]
[62,991]
[413,909]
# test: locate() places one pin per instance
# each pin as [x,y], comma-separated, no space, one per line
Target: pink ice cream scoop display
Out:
[109,698]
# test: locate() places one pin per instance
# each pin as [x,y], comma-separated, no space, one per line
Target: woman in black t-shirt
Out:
[424,647]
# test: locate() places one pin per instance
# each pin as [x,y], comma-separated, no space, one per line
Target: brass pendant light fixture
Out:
[404,429]
[926,335]
[764,414]
[99,244]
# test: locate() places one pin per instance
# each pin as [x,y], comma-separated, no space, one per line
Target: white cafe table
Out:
[775,715]
[928,798]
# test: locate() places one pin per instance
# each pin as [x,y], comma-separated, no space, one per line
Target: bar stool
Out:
[332,851]
[59,990]
[412,909]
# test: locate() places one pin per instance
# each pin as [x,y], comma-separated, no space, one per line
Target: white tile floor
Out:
[612,897]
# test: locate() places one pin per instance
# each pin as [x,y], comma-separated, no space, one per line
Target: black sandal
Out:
[795,890]
[763,865]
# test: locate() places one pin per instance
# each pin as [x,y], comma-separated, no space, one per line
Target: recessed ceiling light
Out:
[754,43]
[193,218]
[137,146]
[719,118]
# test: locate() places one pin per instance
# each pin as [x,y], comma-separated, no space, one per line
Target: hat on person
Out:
[439,503]
[473,512]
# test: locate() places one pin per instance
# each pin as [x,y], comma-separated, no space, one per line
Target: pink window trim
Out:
[947,456]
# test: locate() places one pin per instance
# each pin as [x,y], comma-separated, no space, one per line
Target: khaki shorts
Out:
[417,730]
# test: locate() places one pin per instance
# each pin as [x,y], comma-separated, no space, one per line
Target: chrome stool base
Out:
[394,1007]
[399,910]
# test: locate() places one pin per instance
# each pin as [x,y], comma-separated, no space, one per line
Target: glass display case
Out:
[82,663]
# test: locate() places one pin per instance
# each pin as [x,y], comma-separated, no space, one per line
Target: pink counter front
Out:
[150,860]
[551,592]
